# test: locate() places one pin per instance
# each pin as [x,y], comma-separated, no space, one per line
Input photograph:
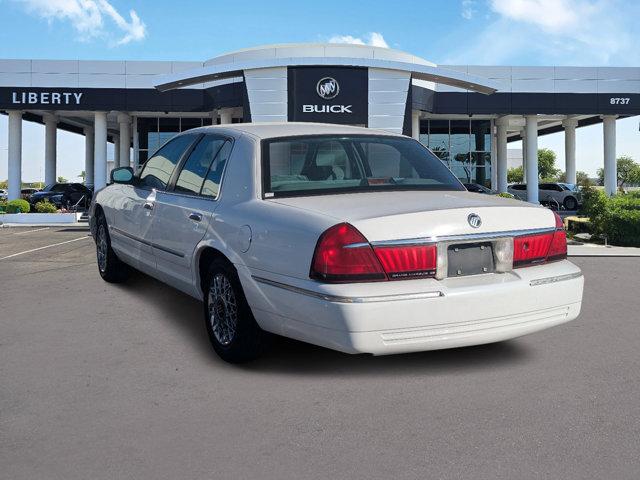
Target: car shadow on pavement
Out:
[292,357]
[287,356]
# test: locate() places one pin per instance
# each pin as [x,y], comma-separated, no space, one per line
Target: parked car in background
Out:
[477,188]
[26,193]
[350,238]
[562,195]
[3,194]
[63,195]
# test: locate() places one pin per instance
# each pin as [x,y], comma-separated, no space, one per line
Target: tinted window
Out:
[158,169]
[211,186]
[352,162]
[197,165]
[59,187]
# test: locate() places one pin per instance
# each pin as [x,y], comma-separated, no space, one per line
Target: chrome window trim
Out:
[461,238]
[343,299]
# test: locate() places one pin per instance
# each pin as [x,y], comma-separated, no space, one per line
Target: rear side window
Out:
[196,167]
[211,186]
[158,169]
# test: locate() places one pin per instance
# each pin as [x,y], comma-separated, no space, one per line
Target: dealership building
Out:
[466,114]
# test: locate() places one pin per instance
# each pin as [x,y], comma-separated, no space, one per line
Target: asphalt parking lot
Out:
[102,381]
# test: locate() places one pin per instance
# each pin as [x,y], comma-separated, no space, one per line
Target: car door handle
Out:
[148,205]
[196,217]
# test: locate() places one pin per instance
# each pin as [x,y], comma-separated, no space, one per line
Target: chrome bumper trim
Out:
[341,299]
[558,278]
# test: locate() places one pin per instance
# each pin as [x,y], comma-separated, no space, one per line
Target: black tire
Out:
[232,329]
[110,267]
[570,203]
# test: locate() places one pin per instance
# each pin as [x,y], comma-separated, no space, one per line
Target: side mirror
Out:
[122,175]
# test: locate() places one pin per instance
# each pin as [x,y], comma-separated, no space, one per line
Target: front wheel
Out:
[111,268]
[231,327]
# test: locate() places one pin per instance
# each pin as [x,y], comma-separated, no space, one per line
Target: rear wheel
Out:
[111,268]
[570,203]
[232,329]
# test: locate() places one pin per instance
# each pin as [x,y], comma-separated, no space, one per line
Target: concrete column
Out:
[136,145]
[501,153]
[415,124]
[610,167]
[116,151]
[124,121]
[88,155]
[494,155]
[531,126]
[523,135]
[100,150]
[14,153]
[226,116]
[50,147]
[570,125]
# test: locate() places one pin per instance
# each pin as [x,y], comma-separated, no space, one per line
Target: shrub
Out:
[18,206]
[616,217]
[46,207]
[506,195]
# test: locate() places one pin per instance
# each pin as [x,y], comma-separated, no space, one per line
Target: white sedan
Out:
[345,237]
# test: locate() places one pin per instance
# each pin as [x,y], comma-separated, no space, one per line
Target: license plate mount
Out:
[470,259]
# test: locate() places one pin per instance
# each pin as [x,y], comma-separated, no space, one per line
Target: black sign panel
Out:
[328,95]
[126,99]
[522,103]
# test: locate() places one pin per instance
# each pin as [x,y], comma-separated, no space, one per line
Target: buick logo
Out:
[327,88]
[474,220]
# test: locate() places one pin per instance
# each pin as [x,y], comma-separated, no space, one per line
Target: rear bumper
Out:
[388,318]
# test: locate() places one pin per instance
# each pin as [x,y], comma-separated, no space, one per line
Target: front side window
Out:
[158,169]
[330,164]
[197,165]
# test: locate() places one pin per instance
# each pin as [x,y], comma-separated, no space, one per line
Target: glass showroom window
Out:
[153,132]
[463,145]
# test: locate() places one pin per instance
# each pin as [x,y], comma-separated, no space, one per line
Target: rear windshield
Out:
[340,164]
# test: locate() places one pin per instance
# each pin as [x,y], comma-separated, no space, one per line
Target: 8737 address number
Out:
[619,100]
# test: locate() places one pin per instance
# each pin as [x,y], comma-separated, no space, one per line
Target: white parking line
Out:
[32,231]
[42,248]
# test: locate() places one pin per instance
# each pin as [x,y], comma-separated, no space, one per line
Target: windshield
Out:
[335,164]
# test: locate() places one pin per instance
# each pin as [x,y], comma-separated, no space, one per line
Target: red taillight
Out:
[343,254]
[531,249]
[544,247]
[558,248]
[411,261]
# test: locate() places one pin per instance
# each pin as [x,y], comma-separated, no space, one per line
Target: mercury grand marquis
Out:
[349,238]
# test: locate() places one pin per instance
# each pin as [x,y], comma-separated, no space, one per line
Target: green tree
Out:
[515,175]
[582,178]
[83,176]
[628,171]
[62,180]
[4,184]
[547,164]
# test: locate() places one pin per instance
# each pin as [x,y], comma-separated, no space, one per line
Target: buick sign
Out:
[474,220]
[327,88]
[327,94]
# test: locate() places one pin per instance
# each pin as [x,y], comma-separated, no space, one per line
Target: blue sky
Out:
[485,32]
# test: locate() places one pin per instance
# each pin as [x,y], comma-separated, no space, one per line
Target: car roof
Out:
[287,129]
